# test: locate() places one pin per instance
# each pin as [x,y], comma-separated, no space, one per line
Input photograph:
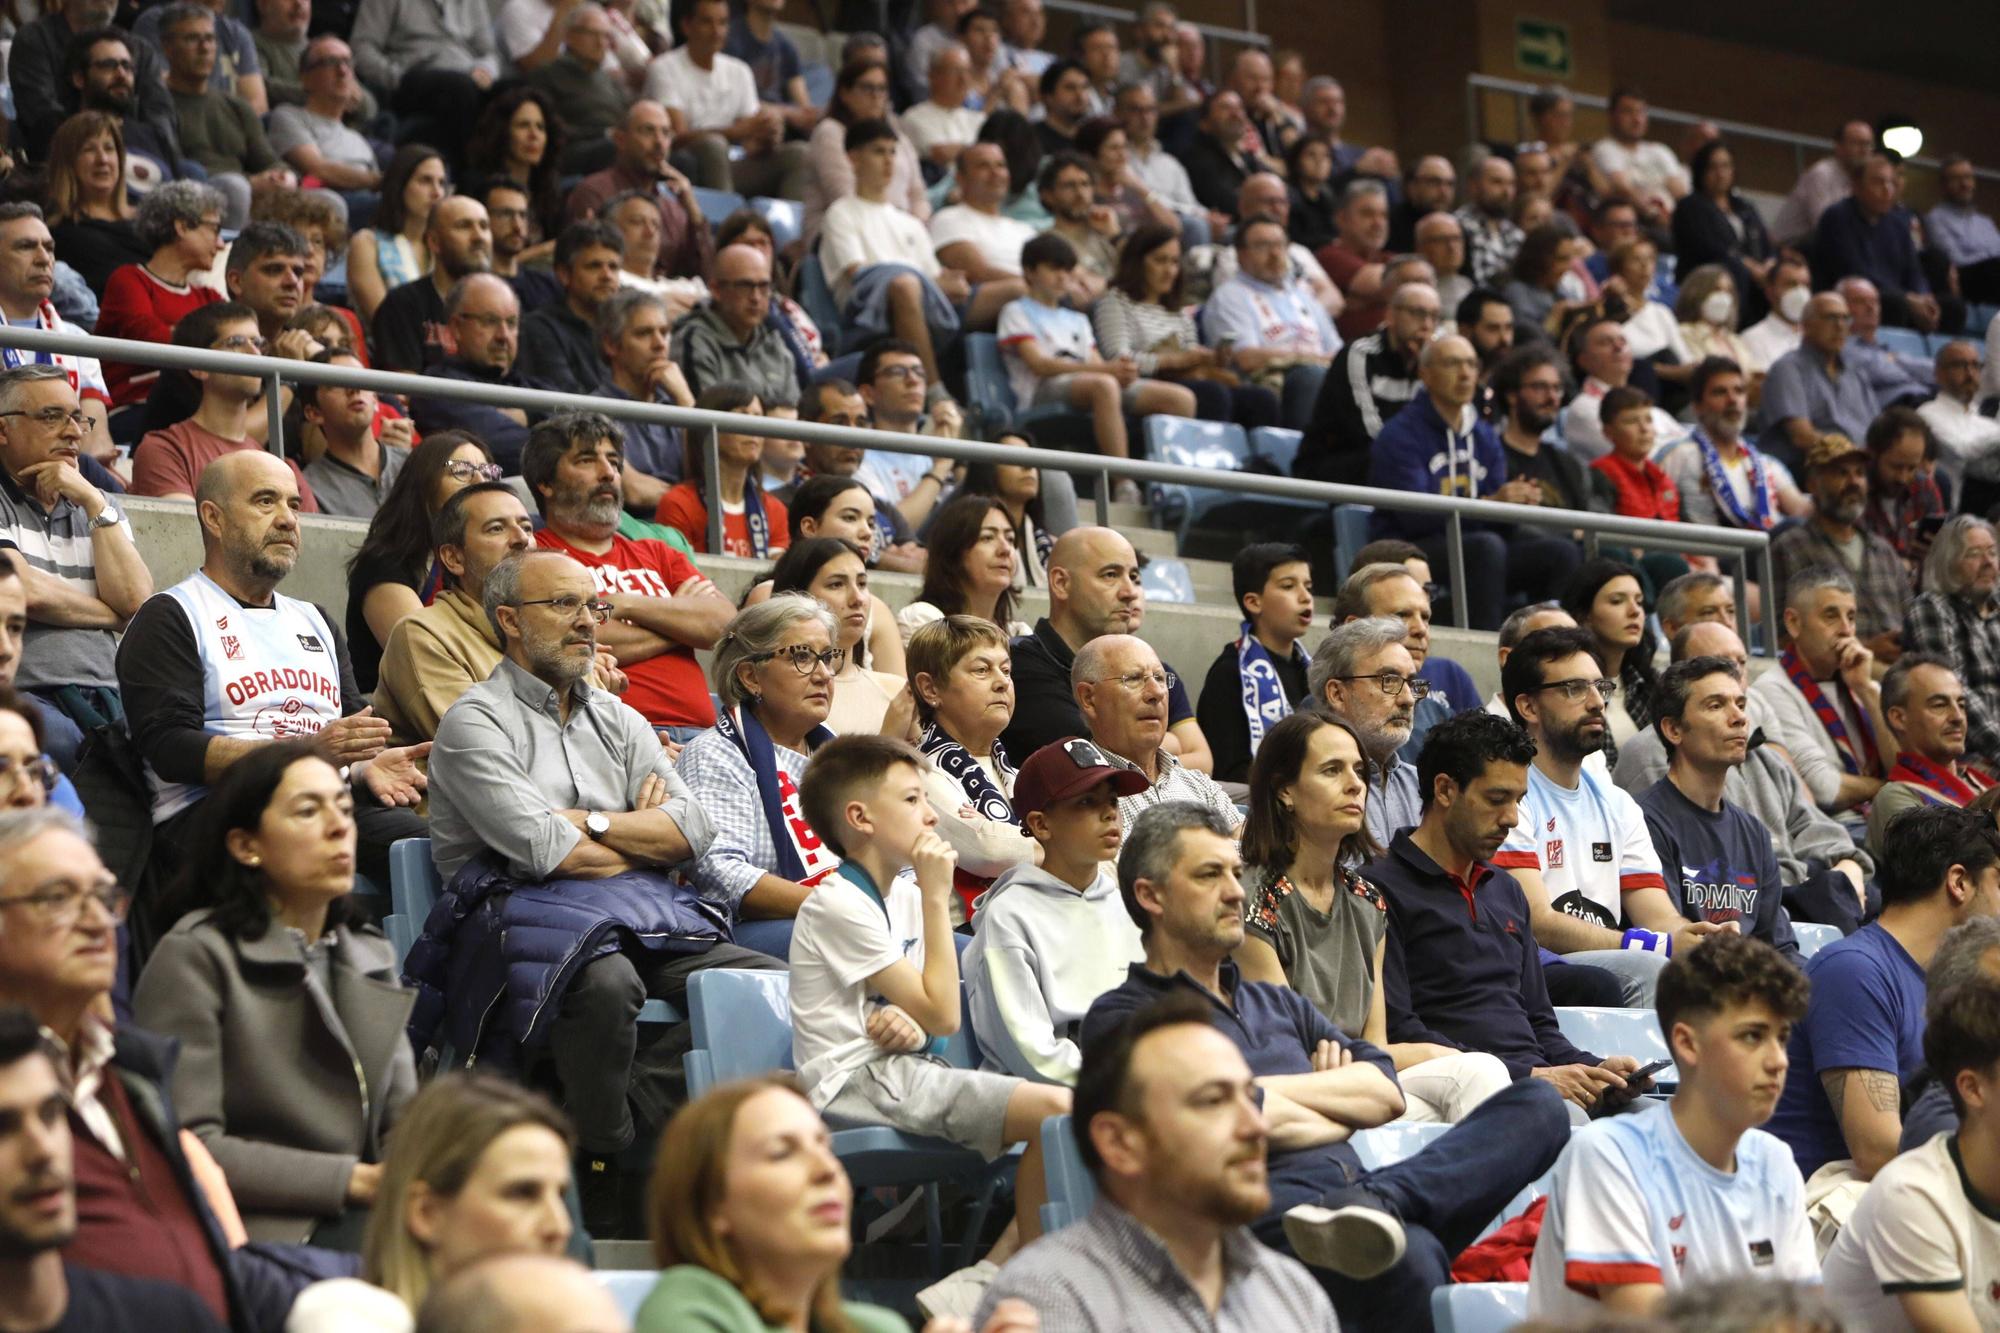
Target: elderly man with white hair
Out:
[1121,689]
[1363,671]
[1957,618]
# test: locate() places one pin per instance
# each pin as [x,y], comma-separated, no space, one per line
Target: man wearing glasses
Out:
[728,339]
[411,331]
[27,284]
[483,320]
[79,572]
[1121,689]
[1364,672]
[315,139]
[1370,381]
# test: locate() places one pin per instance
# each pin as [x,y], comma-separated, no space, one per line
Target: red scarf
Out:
[1938,785]
[1829,717]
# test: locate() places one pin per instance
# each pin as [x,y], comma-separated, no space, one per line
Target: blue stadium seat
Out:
[1633,1032]
[1813,937]
[814,293]
[1350,534]
[628,1287]
[1386,1145]
[1218,446]
[1071,1190]
[1275,446]
[1479,1307]
[1168,581]
[1907,341]
[992,395]
[1977,317]
[1937,342]
[787,218]
[717,204]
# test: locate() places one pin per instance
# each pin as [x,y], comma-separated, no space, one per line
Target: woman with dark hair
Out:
[1715,224]
[1018,491]
[88,213]
[1313,923]
[392,251]
[754,523]
[1540,287]
[970,571]
[1140,316]
[29,779]
[1102,142]
[1605,598]
[290,1018]
[1309,168]
[520,137]
[1015,134]
[392,573]
[832,572]
[860,92]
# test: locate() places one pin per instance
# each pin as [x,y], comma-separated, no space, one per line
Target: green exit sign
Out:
[1542,47]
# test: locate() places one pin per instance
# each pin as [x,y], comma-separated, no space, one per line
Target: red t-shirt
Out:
[1644,490]
[139,306]
[169,462]
[1361,315]
[682,509]
[668,690]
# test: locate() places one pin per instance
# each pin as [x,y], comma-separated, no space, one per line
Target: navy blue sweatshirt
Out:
[1460,966]
[1719,866]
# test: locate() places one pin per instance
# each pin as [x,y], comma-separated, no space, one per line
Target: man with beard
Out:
[1369,382]
[643,142]
[1527,393]
[410,329]
[1066,192]
[101,64]
[1580,852]
[1428,187]
[1832,535]
[36,65]
[1383,1240]
[1957,618]
[1172,1127]
[1363,671]
[1718,860]
[1926,707]
[1491,235]
[222,662]
[1215,161]
[1152,63]
[559,343]
[1723,479]
[662,609]
[1905,506]
[1483,316]
[509,218]
[483,319]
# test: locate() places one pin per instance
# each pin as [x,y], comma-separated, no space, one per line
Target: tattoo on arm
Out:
[1835,1083]
[1884,1092]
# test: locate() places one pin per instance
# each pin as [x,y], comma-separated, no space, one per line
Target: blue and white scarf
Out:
[1264,701]
[956,762]
[794,840]
[1759,517]
[754,521]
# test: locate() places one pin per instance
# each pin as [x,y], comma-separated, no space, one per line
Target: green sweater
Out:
[690,1298]
[222,133]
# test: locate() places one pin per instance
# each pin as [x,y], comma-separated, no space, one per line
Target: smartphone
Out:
[1646,1071]
[1224,346]
[1931,526]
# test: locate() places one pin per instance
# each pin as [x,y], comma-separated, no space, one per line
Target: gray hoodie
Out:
[1040,954]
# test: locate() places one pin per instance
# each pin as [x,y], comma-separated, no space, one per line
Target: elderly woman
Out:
[963,680]
[833,573]
[293,1064]
[180,225]
[1957,619]
[480,1166]
[773,671]
[1710,313]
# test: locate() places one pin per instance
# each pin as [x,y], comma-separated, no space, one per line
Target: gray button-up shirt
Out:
[1109,1274]
[1394,802]
[1798,385]
[504,763]
[347,492]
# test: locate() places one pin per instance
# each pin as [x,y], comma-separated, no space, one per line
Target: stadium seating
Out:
[1813,937]
[1386,1145]
[1633,1032]
[787,219]
[1906,341]
[1071,1190]
[717,204]
[1168,581]
[1479,1307]
[1350,534]
[1218,446]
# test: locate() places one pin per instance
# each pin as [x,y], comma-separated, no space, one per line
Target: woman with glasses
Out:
[860,92]
[833,573]
[29,779]
[87,210]
[773,671]
[754,522]
[1605,598]
[392,252]
[180,226]
[1312,923]
[293,1061]
[393,572]
[970,570]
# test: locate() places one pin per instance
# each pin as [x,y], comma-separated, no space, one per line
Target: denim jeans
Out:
[1638,972]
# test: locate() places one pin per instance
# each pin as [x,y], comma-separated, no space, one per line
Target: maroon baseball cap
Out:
[1066,768]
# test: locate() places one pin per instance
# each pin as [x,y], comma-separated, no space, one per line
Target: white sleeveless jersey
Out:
[271,672]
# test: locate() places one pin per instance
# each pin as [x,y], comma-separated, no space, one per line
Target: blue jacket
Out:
[1417,452]
[491,937]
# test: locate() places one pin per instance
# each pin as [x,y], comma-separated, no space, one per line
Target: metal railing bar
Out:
[1241,35]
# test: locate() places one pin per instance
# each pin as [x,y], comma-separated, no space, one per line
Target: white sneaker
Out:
[1354,1241]
[958,1294]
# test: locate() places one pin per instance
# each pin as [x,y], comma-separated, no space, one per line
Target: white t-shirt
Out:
[712,98]
[891,476]
[1915,1230]
[1583,424]
[1632,1203]
[997,237]
[857,232]
[1651,167]
[1768,339]
[929,125]
[1057,330]
[840,938]
[1590,844]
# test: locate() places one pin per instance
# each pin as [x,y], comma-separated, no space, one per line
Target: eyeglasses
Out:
[748,285]
[486,321]
[901,372]
[52,418]
[21,772]
[335,62]
[1572,690]
[114,63]
[871,87]
[244,341]
[804,659]
[57,908]
[1139,680]
[1392,684]
[567,607]
[460,470]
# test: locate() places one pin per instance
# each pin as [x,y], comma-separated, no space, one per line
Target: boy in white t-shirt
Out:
[1690,1192]
[1051,357]
[875,983]
[1922,1250]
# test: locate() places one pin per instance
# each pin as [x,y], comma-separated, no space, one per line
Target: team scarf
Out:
[14,357]
[754,520]
[1937,785]
[981,792]
[1758,519]
[794,840]
[1829,718]
[1264,701]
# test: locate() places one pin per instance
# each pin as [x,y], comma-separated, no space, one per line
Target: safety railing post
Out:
[711,454]
[1104,499]
[1461,609]
[1740,586]
[274,413]
[1773,597]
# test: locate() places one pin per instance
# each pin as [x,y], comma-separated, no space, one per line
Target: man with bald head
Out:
[1491,234]
[1093,591]
[1894,377]
[726,338]
[1816,389]
[1121,689]
[521,1293]
[1440,240]
[1438,445]
[1370,381]
[643,141]
[222,663]
[483,320]
[973,235]
[410,328]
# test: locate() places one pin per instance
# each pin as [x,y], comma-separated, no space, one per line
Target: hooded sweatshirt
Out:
[1041,953]
[1418,452]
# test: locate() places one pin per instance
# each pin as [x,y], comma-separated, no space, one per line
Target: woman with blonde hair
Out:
[89,215]
[750,1217]
[478,1166]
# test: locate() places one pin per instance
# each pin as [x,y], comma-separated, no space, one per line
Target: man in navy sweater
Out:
[1439,445]
[1460,966]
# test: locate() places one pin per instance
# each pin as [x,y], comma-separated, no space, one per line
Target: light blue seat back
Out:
[413,880]
[1350,534]
[1813,937]
[1906,341]
[986,382]
[1168,581]
[717,204]
[742,1025]
[628,1287]
[1071,1190]
[786,216]
[1604,1031]
[1386,1145]
[817,298]
[1479,1307]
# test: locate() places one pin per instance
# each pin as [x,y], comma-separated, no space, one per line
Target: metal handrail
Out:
[1111,13]
[1798,143]
[1739,545]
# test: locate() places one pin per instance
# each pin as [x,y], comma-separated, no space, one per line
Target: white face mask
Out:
[1717,307]
[1792,304]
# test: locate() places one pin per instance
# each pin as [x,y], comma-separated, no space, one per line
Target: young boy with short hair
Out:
[1690,1192]
[1260,677]
[875,974]
[1643,488]
[1049,939]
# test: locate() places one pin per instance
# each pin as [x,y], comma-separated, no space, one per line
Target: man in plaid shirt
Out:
[1837,478]
[1958,620]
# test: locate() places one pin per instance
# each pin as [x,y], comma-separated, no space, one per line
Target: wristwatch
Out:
[107,517]
[597,824]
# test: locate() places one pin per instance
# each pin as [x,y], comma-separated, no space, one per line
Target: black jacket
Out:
[1217,172]
[1348,415]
